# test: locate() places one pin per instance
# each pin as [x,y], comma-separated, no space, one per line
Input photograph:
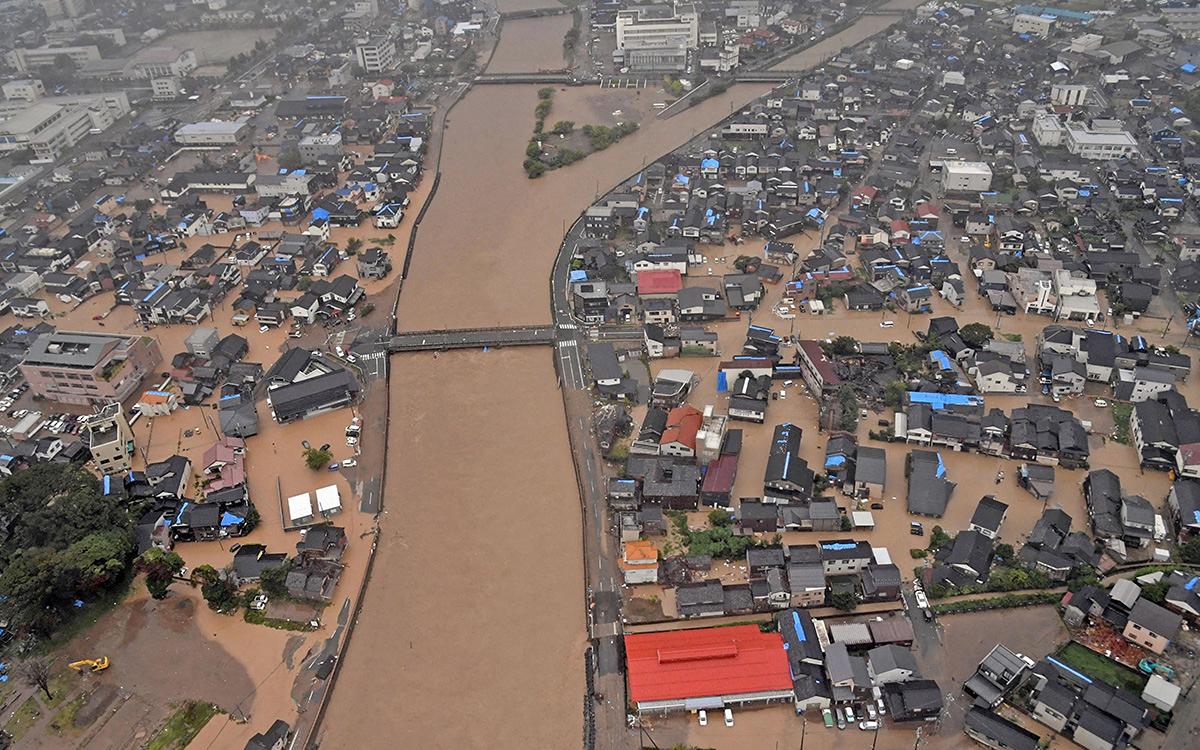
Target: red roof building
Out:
[683,670]
[679,437]
[664,284]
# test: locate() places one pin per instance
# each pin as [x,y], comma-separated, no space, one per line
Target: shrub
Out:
[917,553]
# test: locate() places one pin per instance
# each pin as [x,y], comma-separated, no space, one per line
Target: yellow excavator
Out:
[90,665]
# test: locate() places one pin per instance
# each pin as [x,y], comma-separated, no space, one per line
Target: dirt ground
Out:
[217,46]
[471,633]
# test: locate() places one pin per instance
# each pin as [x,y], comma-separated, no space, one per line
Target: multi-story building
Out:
[1102,142]
[110,439]
[165,88]
[376,55]
[51,125]
[88,368]
[1071,94]
[966,177]
[1027,23]
[25,59]
[314,148]
[657,37]
[64,8]
[157,62]
[1183,21]
[24,89]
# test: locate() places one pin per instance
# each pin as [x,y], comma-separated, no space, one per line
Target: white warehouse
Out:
[211,133]
[966,177]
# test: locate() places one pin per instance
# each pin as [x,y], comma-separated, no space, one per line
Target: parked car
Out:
[1100,402]
[349,463]
[921,599]
[703,718]
[868,725]
[729,717]
[334,466]
[916,529]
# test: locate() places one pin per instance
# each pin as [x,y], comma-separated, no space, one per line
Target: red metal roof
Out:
[721,473]
[707,662]
[667,281]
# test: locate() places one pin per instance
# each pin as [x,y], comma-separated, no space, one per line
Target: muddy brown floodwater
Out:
[472,632]
[530,44]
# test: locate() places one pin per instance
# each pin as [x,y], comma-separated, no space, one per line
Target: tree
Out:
[1004,552]
[562,127]
[975,335]
[353,245]
[937,538]
[388,241]
[160,568]
[217,590]
[315,458]
[273,580]
[718,517]
[289,158]
[36,672]
[97,561]
[844,600]
[32,598]
[893,393]
[841,346]
[1190,551]
[1156,592]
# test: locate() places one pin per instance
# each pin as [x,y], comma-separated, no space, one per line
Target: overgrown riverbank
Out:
[562,143]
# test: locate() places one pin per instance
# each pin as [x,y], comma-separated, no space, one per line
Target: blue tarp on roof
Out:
[942,400]
[709,163]
[838,546]
[940,358]
[1065,668]
[228,519]
[799,627]
[578,275]
[835,461]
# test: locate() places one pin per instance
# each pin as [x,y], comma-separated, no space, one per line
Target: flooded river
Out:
[530,44]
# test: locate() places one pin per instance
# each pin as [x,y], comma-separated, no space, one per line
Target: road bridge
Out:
[766,76]
[471,338]
[494,79]
[514,15]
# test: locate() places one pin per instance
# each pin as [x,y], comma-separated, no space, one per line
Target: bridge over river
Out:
[471,338]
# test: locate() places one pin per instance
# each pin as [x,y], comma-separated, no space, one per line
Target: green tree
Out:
[1005,552]
[975,334]
[217,590]
[893,393]
[97,561]
[562,127]
[545,92]
[315,458]
[718,517]
[160,568]
[937,538]
[844,600]
[841,346]
[1190,551]
[1156,592]
[353,245]
[273,580]
[33,600]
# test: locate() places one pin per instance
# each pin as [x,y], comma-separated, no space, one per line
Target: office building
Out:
[88,368]
[26,59]
[376,55]
[966,177]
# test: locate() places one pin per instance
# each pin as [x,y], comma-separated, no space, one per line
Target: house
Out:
[915,700]
[1150,626]
[971,554]
[993,730]
[870,472]
[998,674]
[1184,501]
[275,738]
[989,514]
[928,488]
[679,435]
[891,663]
[639,562]
[787,477]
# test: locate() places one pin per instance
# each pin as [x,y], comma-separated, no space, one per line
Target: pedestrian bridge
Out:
[471,338]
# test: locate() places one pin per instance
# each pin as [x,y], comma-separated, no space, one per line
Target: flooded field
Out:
[217,46]
[528,45]
[472,631]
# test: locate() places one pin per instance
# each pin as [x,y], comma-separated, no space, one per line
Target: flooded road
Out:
[471,633]
[865,27]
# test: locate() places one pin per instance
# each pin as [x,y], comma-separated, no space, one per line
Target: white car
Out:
[887,324]
[351,441]
[339,351]
[1100,402]
[922,600]
[703,718]
[729,717]
[350,463]
[259,603]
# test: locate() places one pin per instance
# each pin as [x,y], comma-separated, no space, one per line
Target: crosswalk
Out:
[567,327]
[567,343]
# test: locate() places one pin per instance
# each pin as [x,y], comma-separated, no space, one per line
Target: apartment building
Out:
[158,62]
[89,368]
[211,133]
[376,55]
[108,436]
[966,177]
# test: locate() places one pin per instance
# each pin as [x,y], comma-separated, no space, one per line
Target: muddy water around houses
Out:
[531,44]
[472,630]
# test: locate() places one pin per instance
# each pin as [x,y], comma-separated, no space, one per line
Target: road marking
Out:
[568,343]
